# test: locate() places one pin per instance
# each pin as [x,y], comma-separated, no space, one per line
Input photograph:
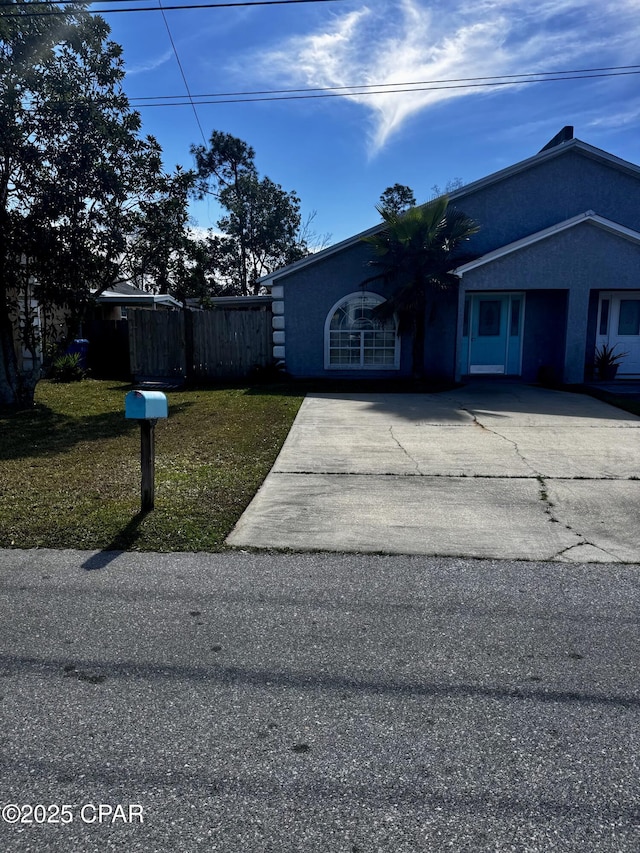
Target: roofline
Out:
[269,279]
[541,157]
[237,301]
[108,296]
[588,216]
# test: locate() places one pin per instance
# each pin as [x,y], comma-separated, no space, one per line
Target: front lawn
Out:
[70,467]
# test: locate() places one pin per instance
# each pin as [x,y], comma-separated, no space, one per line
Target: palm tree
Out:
[415,252]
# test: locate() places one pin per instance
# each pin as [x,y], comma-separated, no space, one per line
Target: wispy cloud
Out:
[150,64]
[397,41]
[619,119]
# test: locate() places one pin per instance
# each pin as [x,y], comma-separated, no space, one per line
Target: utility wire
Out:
[225,5]
[412,88]
[576,73]
[184,76]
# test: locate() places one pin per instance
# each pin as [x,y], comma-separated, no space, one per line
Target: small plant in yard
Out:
[67,368]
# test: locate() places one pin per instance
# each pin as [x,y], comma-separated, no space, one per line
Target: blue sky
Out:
[340,153]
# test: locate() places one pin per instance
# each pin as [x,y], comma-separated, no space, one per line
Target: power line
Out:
[314,94]
[184,76]
[383,87]
[225,5]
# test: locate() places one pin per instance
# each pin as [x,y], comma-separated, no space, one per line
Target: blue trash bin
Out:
[81,347]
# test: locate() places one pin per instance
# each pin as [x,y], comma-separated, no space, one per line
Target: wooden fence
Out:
[219,344]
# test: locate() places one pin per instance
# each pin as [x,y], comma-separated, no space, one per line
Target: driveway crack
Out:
[510,441]
[549,509]
[549,506]
[405,451]
[563,554]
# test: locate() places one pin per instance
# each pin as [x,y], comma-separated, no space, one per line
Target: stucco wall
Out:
[580,260]
[544,342]
[308,297]
[440,340]
[548,193]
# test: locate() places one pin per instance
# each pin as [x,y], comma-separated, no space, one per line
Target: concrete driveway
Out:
[488,470]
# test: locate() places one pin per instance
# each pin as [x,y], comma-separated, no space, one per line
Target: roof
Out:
[127,295]
[239,302]
[541,157]
[588,217]
[125,289]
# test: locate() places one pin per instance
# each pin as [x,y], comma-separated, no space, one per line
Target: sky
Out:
[339,153]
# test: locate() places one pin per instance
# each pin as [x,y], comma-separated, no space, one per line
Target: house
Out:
[112,304]
[556,273]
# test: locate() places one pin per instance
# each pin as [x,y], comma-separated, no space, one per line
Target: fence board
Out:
[227,343]
[157,344]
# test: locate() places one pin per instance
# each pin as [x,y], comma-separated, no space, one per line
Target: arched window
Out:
[356,339]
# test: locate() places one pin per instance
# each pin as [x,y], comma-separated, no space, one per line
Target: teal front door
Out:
[494,331]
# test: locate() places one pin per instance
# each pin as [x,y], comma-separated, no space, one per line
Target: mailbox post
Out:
[146,407]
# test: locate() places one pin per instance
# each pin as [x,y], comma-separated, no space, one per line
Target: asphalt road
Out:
[292,703]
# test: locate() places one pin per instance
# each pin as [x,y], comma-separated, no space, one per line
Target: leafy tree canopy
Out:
[261,227]
[75,176]
[397,199]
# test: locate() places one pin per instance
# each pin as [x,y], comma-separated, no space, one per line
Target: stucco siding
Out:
[310,294]
[440,341]
[582,257]
[548,193]
[544,335]
[579,260]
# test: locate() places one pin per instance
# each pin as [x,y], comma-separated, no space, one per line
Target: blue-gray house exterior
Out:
[556,274]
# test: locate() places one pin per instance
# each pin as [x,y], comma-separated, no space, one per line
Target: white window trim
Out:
[357,294]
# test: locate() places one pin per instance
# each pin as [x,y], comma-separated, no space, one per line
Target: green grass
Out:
[70,467]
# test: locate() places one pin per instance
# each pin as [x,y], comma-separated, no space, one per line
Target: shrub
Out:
[67,368]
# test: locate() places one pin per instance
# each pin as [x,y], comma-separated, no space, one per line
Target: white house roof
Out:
[541,157]
[589,216]
[131,296]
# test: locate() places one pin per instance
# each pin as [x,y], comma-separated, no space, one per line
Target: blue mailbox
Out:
[145,405]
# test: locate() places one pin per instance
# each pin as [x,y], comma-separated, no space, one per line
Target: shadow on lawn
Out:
[41,431]
[122,541]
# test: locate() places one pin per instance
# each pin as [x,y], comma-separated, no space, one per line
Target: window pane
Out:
[604,317]
[358,337]
[629,320]
[489,318]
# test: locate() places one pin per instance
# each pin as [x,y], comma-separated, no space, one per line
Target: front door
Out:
[494,329]
[619,327]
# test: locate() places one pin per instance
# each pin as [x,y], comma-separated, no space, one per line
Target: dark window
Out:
[489,318]
[629,319]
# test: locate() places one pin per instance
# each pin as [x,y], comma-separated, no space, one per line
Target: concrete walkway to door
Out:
[488,470]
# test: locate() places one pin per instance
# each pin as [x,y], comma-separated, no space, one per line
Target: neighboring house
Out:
[556,274]
[112,304]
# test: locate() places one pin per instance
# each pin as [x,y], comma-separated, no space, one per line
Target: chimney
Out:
[565,135]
